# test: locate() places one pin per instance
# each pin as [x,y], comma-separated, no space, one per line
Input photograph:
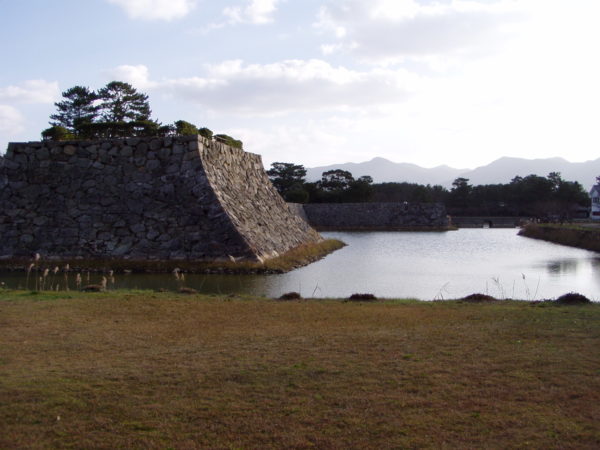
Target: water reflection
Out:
[497,262]
[563,266]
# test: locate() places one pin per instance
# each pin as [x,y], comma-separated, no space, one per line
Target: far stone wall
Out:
[375,216]
[141,198]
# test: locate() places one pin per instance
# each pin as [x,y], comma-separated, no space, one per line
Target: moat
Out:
[424,265]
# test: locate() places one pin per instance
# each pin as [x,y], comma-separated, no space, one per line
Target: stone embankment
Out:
[572,235]
[377,216]
[142,198]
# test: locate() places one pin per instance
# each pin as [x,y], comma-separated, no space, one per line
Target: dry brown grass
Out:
[162,370]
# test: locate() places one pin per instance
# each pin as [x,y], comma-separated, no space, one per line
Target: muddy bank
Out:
[587,238]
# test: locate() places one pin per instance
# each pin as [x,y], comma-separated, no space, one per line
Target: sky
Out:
[319,82]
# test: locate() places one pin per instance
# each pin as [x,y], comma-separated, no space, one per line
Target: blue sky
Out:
[316,82]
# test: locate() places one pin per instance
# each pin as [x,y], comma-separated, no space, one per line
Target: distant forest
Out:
[533,195]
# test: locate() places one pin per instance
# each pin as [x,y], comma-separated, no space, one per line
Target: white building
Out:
[595,194]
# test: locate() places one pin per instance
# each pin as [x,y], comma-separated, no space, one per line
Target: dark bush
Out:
[479,298]
[297,196]
[100,130]
[92,288]
[290,296]
[166,130]
[572,298]
[184,128]
[205,132]
[362,297]
[57,133]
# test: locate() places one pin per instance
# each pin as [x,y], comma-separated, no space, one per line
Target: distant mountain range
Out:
[500,171]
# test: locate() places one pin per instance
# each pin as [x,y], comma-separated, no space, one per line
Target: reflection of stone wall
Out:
[375,216]
[142,198]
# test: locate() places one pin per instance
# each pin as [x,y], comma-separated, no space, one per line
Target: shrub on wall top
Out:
[228,140]
[57,133]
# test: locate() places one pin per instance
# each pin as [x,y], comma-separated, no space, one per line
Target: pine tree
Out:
[77,109]
[121,102]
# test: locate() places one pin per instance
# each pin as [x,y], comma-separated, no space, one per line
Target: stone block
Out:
[132,141]
[42,154]
[164,153]
[153,164]
[69,150]
[152,235]
[155,144]
[137,228]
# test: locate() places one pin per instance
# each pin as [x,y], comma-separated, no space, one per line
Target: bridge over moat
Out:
[487,221]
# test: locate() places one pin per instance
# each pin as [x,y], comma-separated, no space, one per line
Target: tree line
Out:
[116,110]
[532,195]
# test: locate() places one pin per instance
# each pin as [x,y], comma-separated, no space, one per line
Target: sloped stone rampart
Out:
[263,217]
[376,216]
[141,198]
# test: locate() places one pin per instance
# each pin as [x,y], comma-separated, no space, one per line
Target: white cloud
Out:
[11,120]
[31,91]
[535,94]
[384,30]
[328,49]
[256,12]
[291,142]
[156,9]
[137,75]
[291,85]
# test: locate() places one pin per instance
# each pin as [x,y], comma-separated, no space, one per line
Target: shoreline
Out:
[185,291]
[297,257]
[579,236]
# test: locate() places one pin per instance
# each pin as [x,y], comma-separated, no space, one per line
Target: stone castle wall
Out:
[142,198]
[376,216]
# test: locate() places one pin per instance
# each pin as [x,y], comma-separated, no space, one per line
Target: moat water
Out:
[426,266]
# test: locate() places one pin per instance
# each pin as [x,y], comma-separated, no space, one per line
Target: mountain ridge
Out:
[501,170]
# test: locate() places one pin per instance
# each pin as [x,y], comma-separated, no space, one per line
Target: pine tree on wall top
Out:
[77,109]
[121,102]
[116,110]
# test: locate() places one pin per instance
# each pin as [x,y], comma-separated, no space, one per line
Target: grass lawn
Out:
[164,370]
